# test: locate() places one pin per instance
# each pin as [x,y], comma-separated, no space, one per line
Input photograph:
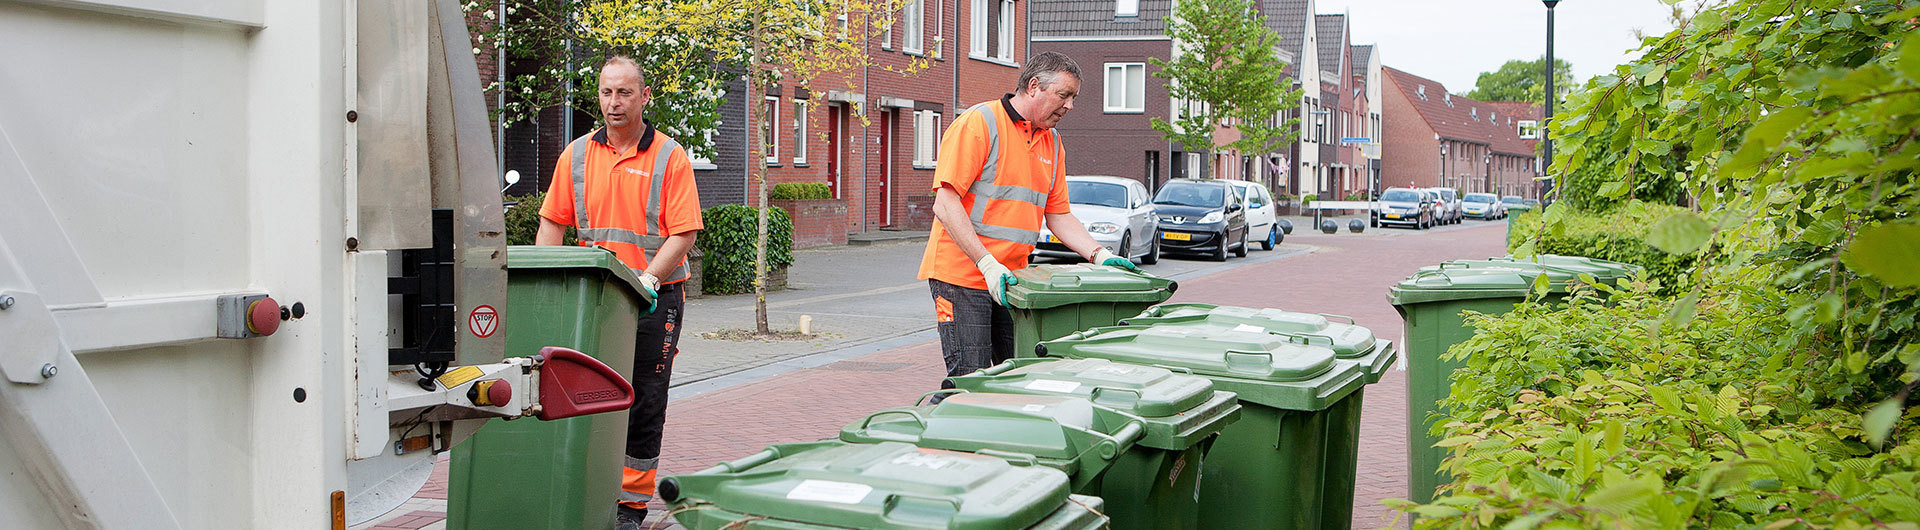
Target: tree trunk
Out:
[760,155]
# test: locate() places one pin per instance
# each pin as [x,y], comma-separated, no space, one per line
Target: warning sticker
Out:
[829,491]
[483,321]
[460,376]
[1052,385]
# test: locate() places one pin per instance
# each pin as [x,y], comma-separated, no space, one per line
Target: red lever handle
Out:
[574,384]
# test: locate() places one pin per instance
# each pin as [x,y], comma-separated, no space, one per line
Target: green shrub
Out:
[1619,235]
[1359,196]
[727,246]
[800,191]
[523,220]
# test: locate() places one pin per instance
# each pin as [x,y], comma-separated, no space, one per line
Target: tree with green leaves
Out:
[1224,65]
[1523,81]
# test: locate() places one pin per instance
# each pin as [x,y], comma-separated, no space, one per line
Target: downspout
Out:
[866,149]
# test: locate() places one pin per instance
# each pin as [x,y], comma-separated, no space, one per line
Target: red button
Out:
[499,393]
[263,316]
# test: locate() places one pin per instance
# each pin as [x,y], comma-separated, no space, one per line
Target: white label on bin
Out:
[1249,328]
[1033,408]
[1052,385]
[829,491]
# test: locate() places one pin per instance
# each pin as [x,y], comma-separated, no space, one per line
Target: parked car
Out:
[1482,206]
[1447,207]
[1404,206]
[1511,201]
[1202,217]
[1116,213]
[1261,214]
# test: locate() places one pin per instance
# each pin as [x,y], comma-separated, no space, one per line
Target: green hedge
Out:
[1619,235]
[800,191]
[727,246]
[523,220]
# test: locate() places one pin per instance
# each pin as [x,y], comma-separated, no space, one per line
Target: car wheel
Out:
[1273,238]
[1126,245]
[1220,247]
[1153,251]
[1242,251]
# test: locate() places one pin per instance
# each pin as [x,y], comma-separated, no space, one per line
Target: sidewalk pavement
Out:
[886,358]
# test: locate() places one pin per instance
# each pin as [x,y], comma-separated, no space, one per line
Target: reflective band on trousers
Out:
[638,486]
[650,244]
[985,190]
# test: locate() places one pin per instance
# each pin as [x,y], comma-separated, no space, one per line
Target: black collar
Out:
[1006,102]
[646,137]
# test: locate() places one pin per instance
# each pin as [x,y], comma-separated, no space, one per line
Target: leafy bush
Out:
[1359,196]
[1619,235]
[523,220]
[727,246]
[800,191]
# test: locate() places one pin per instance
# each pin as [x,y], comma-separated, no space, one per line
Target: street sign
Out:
[1354,140]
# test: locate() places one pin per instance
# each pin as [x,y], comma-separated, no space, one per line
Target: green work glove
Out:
[1104,257]
[998,278]
[650,284]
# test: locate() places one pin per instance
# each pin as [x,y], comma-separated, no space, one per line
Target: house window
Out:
[700,162]
[1126,8]
[1126,87]
[914,38]
[771,110]
[1529,130]
[926,138]
[799,132]
[1006,29]
[1422,90]
[977,33]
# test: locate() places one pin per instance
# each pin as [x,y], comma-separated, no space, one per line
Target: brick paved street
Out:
[1344,274]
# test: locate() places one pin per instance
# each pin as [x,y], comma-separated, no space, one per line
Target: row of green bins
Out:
[564,473]
[1052,300]
[832,484]
[1267,469]
[1349,342]
[1153,484]
[1431,303]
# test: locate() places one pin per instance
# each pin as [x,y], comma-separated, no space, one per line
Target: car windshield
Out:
[1479,198]
[1510,200]
[1097,194]
[1191,194]
[1400,196]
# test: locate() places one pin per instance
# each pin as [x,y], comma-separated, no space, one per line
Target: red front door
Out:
[833,149]
[884,178]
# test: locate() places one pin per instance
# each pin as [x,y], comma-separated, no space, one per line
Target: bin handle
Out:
[1305,338]
[923,397]
[1018,459]
[917,418]
[1094,396]
[1350,320]
[894,499]
[994,370]
[1231,354]
[1175,369]
[743,464]
[1430,273]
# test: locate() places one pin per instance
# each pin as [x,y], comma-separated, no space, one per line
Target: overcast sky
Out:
[1453,41]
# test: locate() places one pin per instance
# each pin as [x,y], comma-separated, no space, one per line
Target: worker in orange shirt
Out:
[629,189]
[1001,172]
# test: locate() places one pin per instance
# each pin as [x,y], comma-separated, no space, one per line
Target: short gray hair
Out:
[1047,67]
[629,61]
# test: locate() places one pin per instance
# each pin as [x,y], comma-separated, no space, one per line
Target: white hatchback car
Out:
[1262,215]
[1118,214]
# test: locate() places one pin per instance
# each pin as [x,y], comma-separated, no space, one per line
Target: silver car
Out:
[1116,212]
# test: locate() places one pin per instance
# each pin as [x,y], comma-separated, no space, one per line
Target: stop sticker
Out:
[483,321]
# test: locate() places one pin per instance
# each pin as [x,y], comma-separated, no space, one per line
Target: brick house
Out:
[1329,116]
[1433,138]
[1361,116]
[1295,23]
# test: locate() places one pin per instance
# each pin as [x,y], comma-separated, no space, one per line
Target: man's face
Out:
[622,98]
[1054,101]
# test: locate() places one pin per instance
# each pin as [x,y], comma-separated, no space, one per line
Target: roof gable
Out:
[1464,120]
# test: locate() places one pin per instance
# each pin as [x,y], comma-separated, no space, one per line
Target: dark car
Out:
[1201,217]
[1404,206]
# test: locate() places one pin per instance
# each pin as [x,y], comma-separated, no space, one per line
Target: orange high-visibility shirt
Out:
[619,187]
[1008,176]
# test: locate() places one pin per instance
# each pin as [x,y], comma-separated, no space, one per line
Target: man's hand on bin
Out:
[651,284]
[1108,258]
[998,278]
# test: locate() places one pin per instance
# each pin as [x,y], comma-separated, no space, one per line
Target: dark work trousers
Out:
[975,333]
[655,344]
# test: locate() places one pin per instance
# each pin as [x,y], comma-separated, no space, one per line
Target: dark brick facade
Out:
[1116,144]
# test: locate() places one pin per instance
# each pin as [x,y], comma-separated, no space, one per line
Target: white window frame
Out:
[1126,8]
[800,132]
[771,107]
[977,29]
[915,38]
[1132,96]
[926,138]
[1006,31]
[698,162]
[1529,130]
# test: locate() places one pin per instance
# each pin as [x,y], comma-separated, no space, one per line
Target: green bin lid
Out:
[1179,410]
[1603,270]
[1470,280]
[1275,370]
[1062,432]
[557,257]
[1348,340]
[1053,285]
[884,485]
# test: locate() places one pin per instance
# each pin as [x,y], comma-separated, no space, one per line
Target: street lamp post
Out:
[1547,147]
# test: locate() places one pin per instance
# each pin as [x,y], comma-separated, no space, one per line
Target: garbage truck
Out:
[252,263]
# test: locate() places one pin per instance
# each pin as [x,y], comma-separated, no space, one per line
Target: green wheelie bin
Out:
[1266,469]
[1053,300]
[1347,340]
[1153,484]
[1430,304]
[565,474]
[832,484]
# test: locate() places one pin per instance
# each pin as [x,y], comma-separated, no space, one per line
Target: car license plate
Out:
[1176,236]
[1393,216]
[1051,239]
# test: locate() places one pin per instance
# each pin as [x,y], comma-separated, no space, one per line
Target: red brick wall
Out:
[1113,144]
[816,223]
[1409,153]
